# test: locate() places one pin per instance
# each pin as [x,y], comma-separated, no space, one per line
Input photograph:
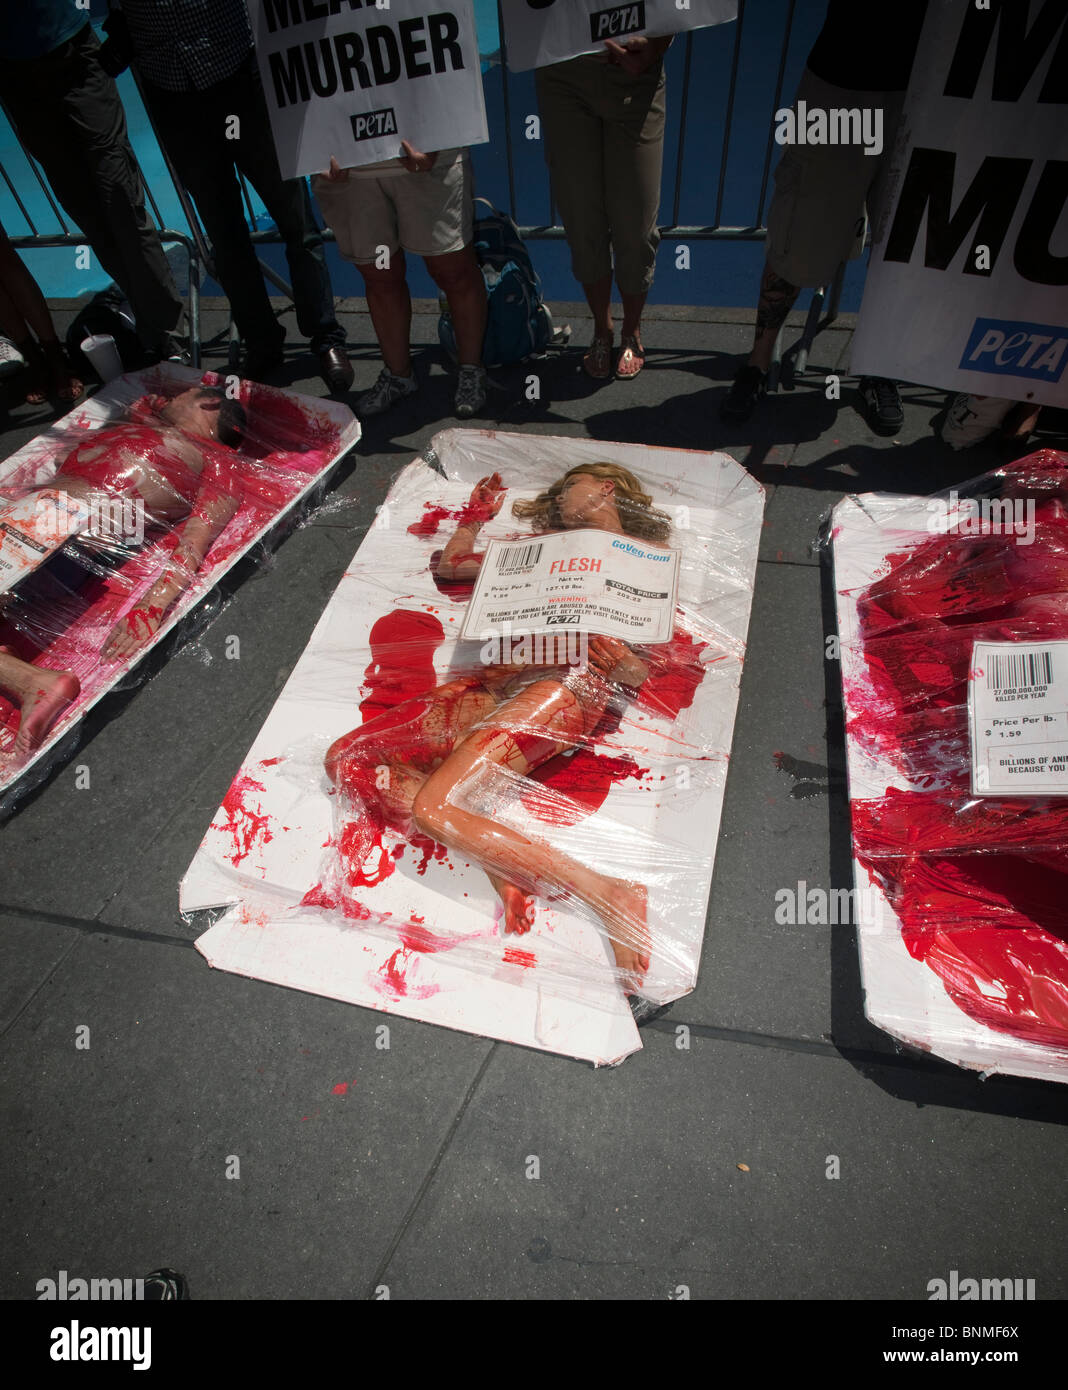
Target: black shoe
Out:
[882,404]
[260,362]
[335,370]
[165,1285]
[750,386]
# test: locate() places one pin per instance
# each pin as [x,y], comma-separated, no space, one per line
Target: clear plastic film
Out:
[119,519]
[976,884]
[534,803]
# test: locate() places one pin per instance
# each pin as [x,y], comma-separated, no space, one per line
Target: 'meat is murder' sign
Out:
[352,78]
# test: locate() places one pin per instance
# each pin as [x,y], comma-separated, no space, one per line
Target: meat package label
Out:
[584,580]
[1018,718]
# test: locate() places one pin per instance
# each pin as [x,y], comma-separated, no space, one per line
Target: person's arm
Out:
[212,511]
[458,560]
[637,55]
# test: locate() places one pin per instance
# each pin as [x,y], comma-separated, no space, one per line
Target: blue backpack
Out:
[518,323]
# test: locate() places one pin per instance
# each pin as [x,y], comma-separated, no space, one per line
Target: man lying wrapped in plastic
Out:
[104,530]
[407,767]
[978,879]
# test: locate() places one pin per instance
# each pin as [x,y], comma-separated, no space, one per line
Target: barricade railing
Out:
[822,310]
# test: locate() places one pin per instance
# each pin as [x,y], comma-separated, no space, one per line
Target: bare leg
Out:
[777,298]
[559,720]
[389,303]
[42,697]
[458,277]
[633,304]
[599,298]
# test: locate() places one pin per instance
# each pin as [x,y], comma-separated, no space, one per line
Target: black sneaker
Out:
[750,385]
[882,404]
[165,1285]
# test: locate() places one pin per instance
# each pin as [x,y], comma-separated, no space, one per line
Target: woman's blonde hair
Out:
[636,513]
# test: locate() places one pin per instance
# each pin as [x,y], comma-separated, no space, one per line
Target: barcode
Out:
[518,557]
[1019,670]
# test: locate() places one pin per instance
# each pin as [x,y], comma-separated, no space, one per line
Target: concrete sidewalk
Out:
[415,1177]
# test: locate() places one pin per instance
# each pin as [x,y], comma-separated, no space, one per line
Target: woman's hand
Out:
[486,498]
[615,661]
[637,55]
[335,173]
[415,161]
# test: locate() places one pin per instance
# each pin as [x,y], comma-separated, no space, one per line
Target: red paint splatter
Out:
[513,956]
[393,982]
[247,824]
[577,785]
[980,885]
[270,762]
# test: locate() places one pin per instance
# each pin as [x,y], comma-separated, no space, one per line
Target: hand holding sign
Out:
[636,55]
[415,161]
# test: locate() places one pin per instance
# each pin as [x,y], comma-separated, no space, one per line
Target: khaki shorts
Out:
[824,194]
[429,214]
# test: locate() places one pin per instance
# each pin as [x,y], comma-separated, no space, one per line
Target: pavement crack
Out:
[431,1173]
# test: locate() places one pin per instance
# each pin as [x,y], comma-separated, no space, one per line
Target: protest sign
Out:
[548,31]
[968,284]
[352,81]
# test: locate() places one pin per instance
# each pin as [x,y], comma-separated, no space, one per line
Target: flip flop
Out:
[597,363]
[631,358]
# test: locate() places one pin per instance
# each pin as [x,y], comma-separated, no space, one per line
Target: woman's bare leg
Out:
[545,719]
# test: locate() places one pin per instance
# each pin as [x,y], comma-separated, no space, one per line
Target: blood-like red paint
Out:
[980,884]
[513,956]
[577,785]
[247,824]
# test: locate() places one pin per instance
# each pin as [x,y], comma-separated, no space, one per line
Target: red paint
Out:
[392,979]
[270,762]
[402,644]
[340,1089]
[675,672]
[980,884]
[248,824]
[576,785]
[513,956]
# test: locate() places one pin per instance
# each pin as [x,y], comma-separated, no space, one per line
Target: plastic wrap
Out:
[970,957]
[512,832]
[120,518]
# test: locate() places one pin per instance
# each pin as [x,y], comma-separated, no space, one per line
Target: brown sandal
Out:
[597,362]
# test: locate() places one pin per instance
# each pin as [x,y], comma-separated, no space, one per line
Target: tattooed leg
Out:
[777,298]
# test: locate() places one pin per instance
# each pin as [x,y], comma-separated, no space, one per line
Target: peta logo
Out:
[1006,347]
[373,123]
[612,24]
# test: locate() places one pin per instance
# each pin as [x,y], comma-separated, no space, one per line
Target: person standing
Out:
[824,193]
[422,203]
[603,120]
[202,88]
[66,111]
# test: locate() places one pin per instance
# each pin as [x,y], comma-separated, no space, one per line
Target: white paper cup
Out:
[103,356]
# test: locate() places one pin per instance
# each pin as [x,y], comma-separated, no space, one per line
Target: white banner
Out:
[352,83]
[585,580]
[537,32]
[968,284]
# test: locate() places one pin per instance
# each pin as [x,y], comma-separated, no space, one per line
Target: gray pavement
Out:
[414,1177]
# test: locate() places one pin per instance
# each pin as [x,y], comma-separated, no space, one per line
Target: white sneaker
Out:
[11,360]
[386,392]
[470,392]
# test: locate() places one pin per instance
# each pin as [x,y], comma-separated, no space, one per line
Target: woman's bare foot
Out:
[624,915]
[519,907]
[50,694]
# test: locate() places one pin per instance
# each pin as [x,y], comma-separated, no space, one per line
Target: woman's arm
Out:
[458,560]
[212,511]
